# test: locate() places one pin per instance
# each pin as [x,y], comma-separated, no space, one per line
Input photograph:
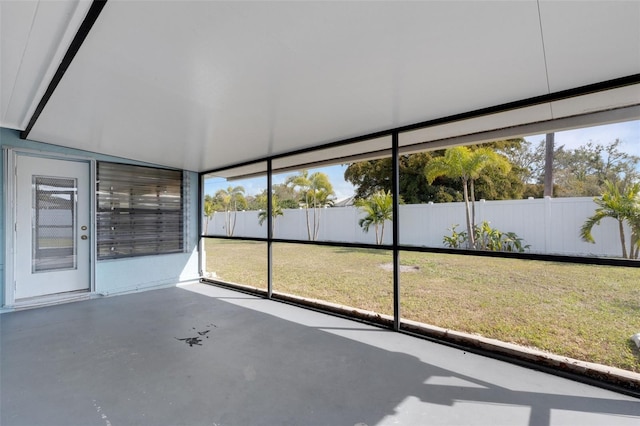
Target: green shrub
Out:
[486,238]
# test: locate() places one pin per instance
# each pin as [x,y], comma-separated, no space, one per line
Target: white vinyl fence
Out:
[547,225]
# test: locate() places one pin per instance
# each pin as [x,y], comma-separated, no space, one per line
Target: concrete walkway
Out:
[203,355]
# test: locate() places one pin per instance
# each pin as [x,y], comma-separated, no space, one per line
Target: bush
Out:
[457,239]
[486,238]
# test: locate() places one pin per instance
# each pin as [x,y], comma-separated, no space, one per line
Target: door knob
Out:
[83,237]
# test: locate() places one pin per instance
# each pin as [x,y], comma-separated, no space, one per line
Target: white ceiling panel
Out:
[590,41]
[15,24]
[34,36]
[200,85]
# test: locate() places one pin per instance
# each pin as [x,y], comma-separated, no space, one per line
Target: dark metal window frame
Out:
[396,247]
[145,226]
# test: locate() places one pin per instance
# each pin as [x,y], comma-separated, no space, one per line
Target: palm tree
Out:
[378,209]
[276,210]
[634,222]
[621,203]
[209,209]
[230,198]
[316,192]
[465,164]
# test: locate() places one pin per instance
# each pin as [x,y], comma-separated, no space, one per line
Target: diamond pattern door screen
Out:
[54,223]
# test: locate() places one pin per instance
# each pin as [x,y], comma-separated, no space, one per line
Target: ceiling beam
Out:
[74,47]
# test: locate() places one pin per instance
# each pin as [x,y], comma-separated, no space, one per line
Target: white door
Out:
[52,243]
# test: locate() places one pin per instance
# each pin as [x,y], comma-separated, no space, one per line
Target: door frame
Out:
[10,156]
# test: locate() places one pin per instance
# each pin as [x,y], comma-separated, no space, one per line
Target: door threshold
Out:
[51,299]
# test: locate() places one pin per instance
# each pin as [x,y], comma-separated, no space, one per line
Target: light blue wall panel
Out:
[7,137]
[2,234]
[121,275]
[139,273]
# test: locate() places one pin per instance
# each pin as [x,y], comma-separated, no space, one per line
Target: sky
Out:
[255,186]
[628,132]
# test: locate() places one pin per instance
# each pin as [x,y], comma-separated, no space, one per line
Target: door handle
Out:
[83,237]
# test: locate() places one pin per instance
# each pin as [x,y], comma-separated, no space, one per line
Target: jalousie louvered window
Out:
[139,211]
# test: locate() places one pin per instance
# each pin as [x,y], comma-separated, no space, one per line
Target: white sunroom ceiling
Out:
[201,85]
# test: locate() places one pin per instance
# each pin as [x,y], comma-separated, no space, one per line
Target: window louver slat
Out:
[140,211]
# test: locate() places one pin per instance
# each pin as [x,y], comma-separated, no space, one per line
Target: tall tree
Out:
[528,164]
[371,176]
[286,195]
[316,192]
[465,164]
[582,171]
[378,208]
[622,203]
[231,199]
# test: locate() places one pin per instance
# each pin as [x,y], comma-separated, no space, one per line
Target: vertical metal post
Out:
[395,180]
[269,231]
[548,164]
[201,252]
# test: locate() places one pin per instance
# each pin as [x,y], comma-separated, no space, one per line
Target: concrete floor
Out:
[121,361]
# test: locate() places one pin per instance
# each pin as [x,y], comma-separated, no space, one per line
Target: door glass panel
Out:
[54,223]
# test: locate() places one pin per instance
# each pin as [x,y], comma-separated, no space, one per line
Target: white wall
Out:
[336,224]
[548,225]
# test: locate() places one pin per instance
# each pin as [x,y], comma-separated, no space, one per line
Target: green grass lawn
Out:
[585,312]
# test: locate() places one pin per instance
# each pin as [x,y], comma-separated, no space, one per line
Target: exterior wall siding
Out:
[121,275]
